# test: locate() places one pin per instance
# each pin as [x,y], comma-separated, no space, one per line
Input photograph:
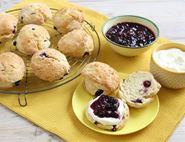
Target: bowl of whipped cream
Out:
[168,65]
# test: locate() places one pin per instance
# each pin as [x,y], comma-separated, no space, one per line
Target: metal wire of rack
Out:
[30,83]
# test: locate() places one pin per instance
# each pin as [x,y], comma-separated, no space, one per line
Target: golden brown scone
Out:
[32,38]
[49,65]
[138,89]
[12,69]
[76,43]
[68,19]
[107,112]
[100,76]
[35,13]
[8,26]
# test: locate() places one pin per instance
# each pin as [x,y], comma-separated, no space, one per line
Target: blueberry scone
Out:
[49,65]
[68,19]
[31,39]
[100,77]
[35,13]
[107,112]
[8,26]
[12,69]
[76,43]
[138,89]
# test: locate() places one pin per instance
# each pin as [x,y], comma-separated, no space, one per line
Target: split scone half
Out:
[107,112]
[138,89]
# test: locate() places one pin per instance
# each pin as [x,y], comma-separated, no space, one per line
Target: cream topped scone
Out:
[8,26]
[12,69]
[68,19]
[138,89]
[31,39]
[76,43]
[35,13]
[100,77]
[49,65]
[107,112]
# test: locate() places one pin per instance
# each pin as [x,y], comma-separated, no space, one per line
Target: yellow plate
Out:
[139,118]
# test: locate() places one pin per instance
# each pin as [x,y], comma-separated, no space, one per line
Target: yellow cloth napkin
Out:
[52,109]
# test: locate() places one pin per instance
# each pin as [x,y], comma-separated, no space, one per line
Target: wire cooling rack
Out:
[30,83]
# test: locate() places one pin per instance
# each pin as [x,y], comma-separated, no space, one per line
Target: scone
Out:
[12,69]
[138,89]
[8,26]
[49,65]
[32,38]
[107,112]
[35,13]
[67,19]
[100,77]
[76,43]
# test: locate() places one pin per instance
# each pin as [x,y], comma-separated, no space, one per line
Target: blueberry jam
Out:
[105,106]
[147,83]
[130,34]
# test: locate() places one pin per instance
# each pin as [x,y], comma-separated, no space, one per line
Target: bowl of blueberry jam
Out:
[130,35]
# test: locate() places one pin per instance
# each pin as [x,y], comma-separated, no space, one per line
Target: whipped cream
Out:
[172,59]
[107,120]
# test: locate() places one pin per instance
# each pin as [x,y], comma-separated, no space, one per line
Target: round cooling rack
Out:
[30,83]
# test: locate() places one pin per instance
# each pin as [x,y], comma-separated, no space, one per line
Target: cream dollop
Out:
[107,120]
[172,59]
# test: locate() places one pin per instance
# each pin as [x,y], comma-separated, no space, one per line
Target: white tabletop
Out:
[170,17]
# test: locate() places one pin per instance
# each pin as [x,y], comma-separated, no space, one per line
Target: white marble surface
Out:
[168,14]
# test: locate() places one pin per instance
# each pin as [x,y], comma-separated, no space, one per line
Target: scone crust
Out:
[110,127]
[32,38]
[76,43]
[68,19]
[8,26]
[35,13]
[102,74]
[129,91]
[49,64]
[12,68]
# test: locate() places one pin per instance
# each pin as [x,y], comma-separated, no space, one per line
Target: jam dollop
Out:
[130,34]
[105,106]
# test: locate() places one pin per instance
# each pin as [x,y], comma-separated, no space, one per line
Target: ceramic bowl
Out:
[124,50]
[167,78]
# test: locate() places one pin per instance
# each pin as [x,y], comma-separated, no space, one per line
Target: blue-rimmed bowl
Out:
[125,50]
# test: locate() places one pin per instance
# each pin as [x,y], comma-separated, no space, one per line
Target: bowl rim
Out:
[164,44]
[121,46]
